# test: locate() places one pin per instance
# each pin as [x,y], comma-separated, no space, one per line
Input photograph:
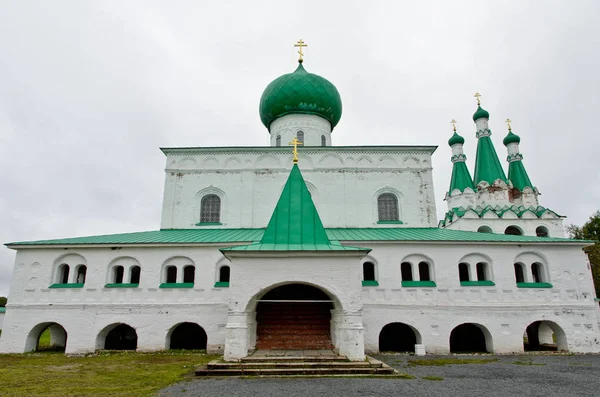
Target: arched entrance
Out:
[187,336]
[544,336]
[398,337]
[470,338]
[294,316]
[121,337]
[47,337]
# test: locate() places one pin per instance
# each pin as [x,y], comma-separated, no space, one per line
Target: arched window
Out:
[463,272]
[513,230]
[224,274]
[81,272]
[537,273]
[136,272]
[278,140]
[118,274]
[482,271]
[63,274]
[210,209]
[519,274]
[323,140]
[171,274]
[368,271]
[189,273]
[485,229]
[406,271]
[541,231]
[424,271]
[387,207]
[300,136]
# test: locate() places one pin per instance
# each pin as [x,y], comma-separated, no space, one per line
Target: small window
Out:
[171,274]
[136,272]
[513,230]
[481,271]
[368,271]
[189,273]
[300,136]
[463,271]
[81,272]
[541,231]
[406,270]
[323,140]
[519,275]
[424,271]
[64,274]
[224,274]
[118,274]
[387,207]
[485,229]
[210,209]
[536,273]
[278,140]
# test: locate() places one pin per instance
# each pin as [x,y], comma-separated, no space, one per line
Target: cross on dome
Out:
[453,122]
[508,121]
[478,96]
[295,142]
[300,44]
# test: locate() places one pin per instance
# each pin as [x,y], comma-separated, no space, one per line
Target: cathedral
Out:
[302,244]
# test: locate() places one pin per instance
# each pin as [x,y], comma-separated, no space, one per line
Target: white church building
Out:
[339,250]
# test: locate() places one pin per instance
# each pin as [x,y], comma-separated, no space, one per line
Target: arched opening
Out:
[278,140]
[463,271]
[387,207]
[47,337]
[118,272]
[485,229]
[323,140]
[81,272]
[406,271]
[513,230]
[189,274]
[171,274]
[136,273]
[368,271]
[398,337]
[519,273]
[482,271]
[470,338]
[300,136]
[224,274]
[63,274]
[544,336]
[541,231]
[210,209]
[537,272]
[424,271]
[188,336]
[294,316]
[121,337]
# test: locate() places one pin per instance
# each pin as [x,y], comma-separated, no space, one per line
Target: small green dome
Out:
[300,92]
[456,139]
[511,138]
[480,114]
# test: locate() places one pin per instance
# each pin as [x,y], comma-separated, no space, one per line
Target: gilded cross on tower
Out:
[453,122]
[508,121]
[295,142]
[478,96]
[300,44]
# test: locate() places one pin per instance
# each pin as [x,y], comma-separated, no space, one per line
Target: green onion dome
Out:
[511,138]
[300,93]
[480,114]
[456,139]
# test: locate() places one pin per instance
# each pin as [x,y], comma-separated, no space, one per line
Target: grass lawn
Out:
[106,373]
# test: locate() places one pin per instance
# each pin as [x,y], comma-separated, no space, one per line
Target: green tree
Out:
[3,301]
[590,231]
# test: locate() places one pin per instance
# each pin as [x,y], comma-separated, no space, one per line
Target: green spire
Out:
[487,165]
[518,175]
[461,177]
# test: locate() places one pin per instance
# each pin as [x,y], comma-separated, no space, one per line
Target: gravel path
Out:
[553,375]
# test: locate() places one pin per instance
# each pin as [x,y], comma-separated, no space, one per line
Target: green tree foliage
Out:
[3,301]
[590,231]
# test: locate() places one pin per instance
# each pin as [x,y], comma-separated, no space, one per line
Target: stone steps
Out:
[295,366]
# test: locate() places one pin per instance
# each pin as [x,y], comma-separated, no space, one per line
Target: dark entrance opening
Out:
[467,338]
[122,337]
[188,336]
[397,337]
[539,336]
[294,316]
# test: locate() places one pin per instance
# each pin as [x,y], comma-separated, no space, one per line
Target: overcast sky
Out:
[89,90]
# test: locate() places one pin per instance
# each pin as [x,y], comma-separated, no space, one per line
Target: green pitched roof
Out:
[295,224]
[487,164]
[461,177]
[518,175]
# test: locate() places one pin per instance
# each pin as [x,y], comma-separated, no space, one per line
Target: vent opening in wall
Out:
[513,231]
[541,231]
[323,140]
[485,229]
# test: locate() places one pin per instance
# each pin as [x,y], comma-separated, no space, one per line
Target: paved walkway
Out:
[526,375]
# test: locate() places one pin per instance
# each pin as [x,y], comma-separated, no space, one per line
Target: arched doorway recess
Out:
[121,337]
[544,336]
[470,338]
[188,336]
[47,337]
[398,337]
[294,316]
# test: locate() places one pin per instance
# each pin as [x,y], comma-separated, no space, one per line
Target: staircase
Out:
[293,325]
[300,365]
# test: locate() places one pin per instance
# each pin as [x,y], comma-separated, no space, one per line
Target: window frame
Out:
[210,213]
[390,211]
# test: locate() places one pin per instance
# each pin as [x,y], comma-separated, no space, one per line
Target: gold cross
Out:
[478,96]
[453,122]
[508,121]
[295,142]
[300,44]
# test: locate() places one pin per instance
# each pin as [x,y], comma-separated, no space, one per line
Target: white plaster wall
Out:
[344,183]
[313,127]
[2,320]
